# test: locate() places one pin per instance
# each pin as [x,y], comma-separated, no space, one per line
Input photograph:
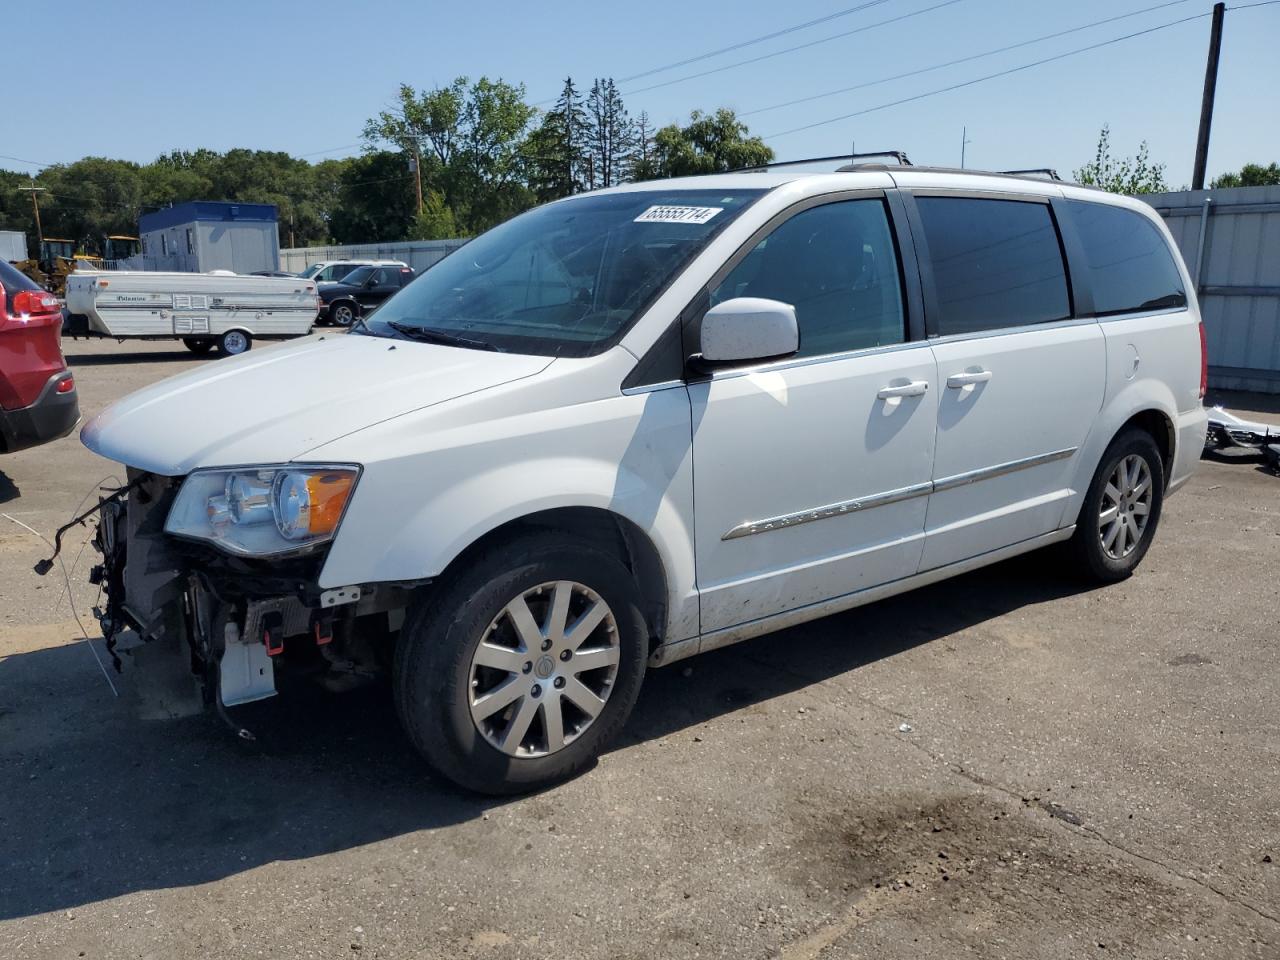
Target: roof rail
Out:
[1047,173]
[853,158]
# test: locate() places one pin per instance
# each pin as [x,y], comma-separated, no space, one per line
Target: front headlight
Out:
[263,511]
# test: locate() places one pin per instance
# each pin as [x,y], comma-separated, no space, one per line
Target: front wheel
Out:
[342,314]
[234,342]
[1121,508]
[522,668]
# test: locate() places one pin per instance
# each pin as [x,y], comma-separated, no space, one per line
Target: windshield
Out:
[565,279]
[311,271]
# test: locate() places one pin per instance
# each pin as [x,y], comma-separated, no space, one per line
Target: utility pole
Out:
[416,163]
[964,142]
[1206,101]
[35,206]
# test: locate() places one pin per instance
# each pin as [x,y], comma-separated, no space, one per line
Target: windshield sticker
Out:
[674,214]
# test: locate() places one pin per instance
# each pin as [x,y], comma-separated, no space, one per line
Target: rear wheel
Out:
[198,345]
[1121,508]
[342,314]
[234,342]
[523,667]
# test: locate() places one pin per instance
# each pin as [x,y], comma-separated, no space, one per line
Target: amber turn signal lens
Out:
[327,493]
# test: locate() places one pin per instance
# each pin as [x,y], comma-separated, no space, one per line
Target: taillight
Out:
[34,301]
[1204,363]
[67,385]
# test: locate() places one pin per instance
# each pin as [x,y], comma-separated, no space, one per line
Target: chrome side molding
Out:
[751,527]
[830,510]
[1000,469]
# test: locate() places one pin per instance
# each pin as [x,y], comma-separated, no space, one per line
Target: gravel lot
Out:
[1003,765]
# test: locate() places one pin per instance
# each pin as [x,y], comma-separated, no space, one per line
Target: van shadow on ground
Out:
[96,804]
[8,489]
[114,359]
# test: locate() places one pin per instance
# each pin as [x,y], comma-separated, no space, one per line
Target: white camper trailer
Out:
[202,310]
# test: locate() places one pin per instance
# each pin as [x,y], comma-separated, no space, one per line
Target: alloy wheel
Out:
[544,668]
[1126,507]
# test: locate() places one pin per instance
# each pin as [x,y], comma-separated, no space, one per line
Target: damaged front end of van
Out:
[216,576]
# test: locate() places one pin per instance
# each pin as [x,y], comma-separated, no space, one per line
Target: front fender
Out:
[411,516]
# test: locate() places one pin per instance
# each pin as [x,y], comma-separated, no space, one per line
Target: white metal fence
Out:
[418,254]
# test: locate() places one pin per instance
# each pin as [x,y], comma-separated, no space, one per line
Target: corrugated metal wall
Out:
[418,254]
[1237,271]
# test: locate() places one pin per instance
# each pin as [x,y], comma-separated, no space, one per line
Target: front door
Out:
[382,283]
[812,475]
[1021,380]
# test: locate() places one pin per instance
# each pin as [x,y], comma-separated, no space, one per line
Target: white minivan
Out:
[637,424]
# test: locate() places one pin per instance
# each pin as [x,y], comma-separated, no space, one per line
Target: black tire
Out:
[433,661]
[1092,558]
[234,342]
[343,313]
[197,345]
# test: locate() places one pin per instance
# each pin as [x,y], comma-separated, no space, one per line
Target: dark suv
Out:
[360,292]
[38,399]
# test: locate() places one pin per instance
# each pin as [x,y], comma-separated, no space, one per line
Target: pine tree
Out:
[643,163]
[556,148]
[610,134]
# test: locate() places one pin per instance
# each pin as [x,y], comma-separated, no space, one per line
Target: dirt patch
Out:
[968,871]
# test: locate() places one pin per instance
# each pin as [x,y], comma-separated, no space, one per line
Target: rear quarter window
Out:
[995,263]
[1130,267]
[14,281]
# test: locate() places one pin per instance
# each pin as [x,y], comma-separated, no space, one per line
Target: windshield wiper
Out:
[426,335]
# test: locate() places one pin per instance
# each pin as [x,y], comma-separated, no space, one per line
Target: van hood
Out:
[274,405]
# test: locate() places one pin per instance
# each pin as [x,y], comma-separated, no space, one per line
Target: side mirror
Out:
[749,328]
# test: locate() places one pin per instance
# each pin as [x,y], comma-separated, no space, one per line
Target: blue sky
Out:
[133,79]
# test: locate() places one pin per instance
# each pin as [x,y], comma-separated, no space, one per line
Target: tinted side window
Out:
[14,281]
[996,263]
[837,265]
[1130,266]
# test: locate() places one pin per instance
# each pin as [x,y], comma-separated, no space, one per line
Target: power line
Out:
[990,76]
[754,40]
[802,46]
[316,153]
[971,57]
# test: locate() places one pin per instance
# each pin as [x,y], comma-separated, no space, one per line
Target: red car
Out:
[38,399]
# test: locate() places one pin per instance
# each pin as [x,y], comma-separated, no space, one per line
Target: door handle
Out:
[959,380]
[916,388]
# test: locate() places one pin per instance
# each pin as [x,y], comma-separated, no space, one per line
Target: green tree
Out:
[610,135]
[1129,175]
[554,149]
[375,200]
[710,143]
[469,138]
[15,206]
[1250,175]
[435,222]
[90,198]
[643,162]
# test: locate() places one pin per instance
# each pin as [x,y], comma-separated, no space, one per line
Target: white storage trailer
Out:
[202,310]
[13,245]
